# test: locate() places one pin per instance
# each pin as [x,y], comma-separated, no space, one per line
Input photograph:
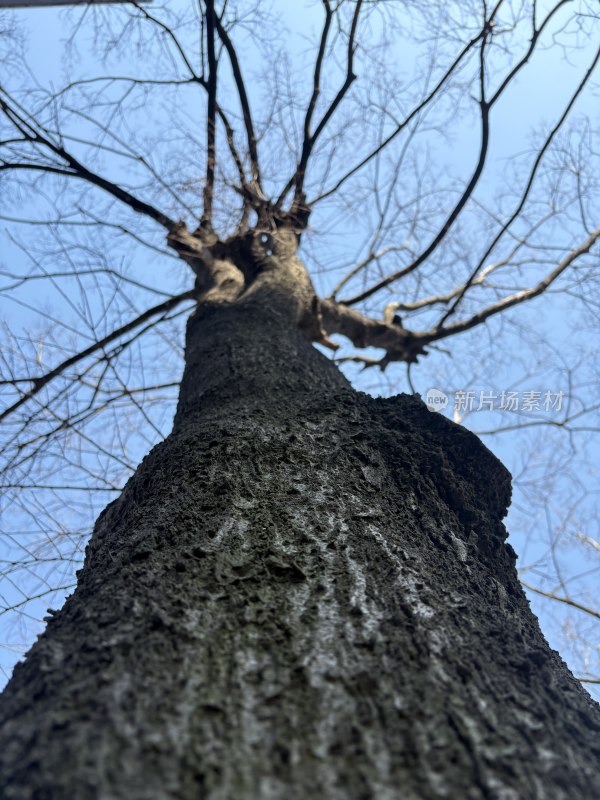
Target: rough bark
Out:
[302,592]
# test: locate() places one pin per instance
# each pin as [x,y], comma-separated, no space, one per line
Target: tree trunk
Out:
[302,592]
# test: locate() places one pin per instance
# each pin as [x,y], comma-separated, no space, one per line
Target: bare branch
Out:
[535,35]
[400,344]
[317,74]
[37,135]
[552,596]
[518,297]
[211,128]
[310,139]
[530,181]
[485,107]
[42,380]
[484,111]
[401,125]
[243,97]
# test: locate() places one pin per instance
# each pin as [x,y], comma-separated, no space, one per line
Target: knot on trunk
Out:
[259,267]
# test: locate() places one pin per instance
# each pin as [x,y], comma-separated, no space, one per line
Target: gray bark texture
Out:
[303,592]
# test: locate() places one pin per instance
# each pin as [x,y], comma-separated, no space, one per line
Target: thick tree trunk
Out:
[303,592]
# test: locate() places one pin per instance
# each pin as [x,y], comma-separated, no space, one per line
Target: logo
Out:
[436,400]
